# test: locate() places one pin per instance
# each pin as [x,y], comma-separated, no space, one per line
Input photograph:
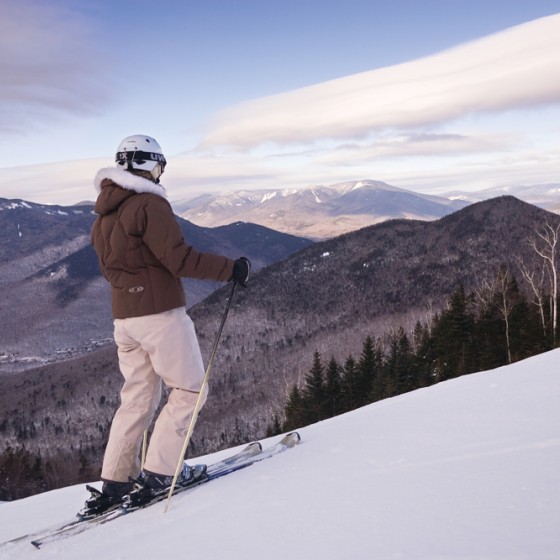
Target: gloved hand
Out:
[241,271]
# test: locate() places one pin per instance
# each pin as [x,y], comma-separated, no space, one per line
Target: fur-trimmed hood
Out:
[127,180]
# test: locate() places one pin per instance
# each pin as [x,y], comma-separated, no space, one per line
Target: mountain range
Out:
[321,212]
[318,211]
[326,298]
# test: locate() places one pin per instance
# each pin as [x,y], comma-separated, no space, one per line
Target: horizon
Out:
[542,195]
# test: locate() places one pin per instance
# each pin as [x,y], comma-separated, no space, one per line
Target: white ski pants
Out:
[151,349]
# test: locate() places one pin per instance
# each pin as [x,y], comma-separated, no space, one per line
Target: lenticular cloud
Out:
[516,68]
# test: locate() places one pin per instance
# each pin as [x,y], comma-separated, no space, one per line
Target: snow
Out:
[14,205]
[57,212]
[466,469]
[268,196]
[317,197]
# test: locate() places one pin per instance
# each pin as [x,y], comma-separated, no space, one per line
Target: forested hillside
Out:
[390,280]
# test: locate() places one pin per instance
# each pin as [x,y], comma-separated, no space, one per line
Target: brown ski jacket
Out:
[141,249]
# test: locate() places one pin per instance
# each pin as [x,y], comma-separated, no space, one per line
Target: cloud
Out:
[49,63]
[516,68]
[66,182]
[413,145]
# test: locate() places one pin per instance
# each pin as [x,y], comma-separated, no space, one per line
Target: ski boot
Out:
[150,486]
[109,498]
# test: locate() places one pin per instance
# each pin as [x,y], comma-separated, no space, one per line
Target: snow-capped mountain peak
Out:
[317,211]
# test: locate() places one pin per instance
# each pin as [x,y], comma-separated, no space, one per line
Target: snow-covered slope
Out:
[467,469]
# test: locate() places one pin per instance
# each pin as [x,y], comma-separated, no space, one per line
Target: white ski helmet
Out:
[143,153]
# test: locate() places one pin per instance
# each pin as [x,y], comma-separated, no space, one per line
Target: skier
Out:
[143,255]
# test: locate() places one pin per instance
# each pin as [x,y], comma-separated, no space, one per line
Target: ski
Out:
[250,455]
[246,453]
[80,524]
[218,470]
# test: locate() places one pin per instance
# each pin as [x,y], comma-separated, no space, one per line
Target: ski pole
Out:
[198,404]
[144,448]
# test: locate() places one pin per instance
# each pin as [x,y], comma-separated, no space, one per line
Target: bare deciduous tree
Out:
[537,281]
[496,291]
[546,246]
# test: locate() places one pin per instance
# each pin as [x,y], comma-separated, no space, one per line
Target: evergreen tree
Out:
[489,339]
[526,334]
[423,356]
[398,366]
[403,361]
[295,411]
[275,428]
[349,384]
[368,370]
[333,393]
[454,338]
[314,391]
[461,339]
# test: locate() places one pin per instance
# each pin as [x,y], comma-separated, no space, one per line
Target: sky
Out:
[465,469]
[428,95]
